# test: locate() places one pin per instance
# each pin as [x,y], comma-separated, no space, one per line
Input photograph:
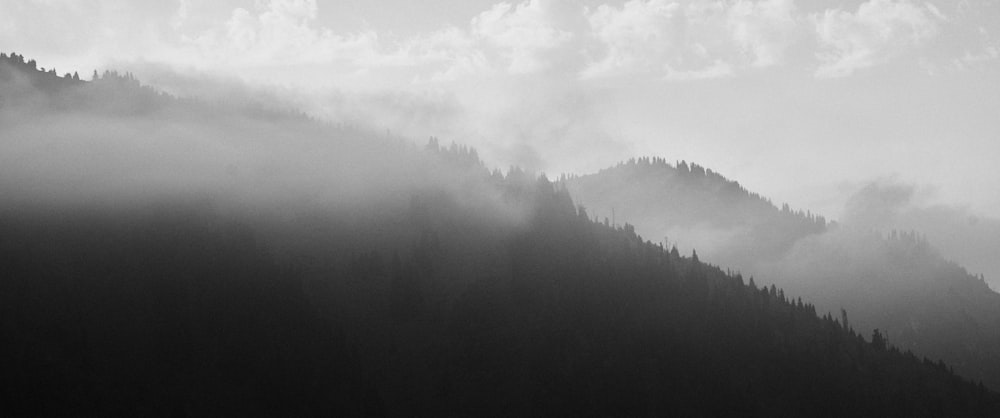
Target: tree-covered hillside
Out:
[893,281]
[695,207]
[346,273]
[182,309]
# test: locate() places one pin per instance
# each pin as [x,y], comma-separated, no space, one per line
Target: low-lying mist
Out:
[963,236]
[111,143]
[890,263]
[226,255]
[537,122]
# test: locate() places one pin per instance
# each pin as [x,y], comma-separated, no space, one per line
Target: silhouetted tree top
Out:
[878,341]
[655,171]
[117,93]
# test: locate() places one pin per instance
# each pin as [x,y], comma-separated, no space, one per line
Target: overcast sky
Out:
[803,101]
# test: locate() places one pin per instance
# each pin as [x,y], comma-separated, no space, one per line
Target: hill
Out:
[326,271]
[896,282]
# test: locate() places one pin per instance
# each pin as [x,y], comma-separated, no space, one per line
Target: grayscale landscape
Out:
[481,208]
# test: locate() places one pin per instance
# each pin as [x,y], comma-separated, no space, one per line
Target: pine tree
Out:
[878,341]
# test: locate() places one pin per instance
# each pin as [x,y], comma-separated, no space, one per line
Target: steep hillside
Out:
[696,207]
[309,270]
[896,282]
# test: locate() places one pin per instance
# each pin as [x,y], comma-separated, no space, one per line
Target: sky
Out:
[806,102]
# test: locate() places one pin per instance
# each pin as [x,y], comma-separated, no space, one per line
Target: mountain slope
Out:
[378,278]
[898,283]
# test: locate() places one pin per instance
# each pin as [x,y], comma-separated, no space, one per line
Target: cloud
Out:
[514,39]
[691,40]
[635,38]
[877,204]
[989,53]
[77,35]
[451,52]
[960,234]
[934,10]
[764,30]
[280,32]
[528,82]
[877,32]
[650,39]
[526,34]
[718,69]
[663,39]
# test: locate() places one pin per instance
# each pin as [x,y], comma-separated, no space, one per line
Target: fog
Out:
[298,207]
[893,261]
[852,91]
[540,123]
[959,233]
[886,206]
[113,144]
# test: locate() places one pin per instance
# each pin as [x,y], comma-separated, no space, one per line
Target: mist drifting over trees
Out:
[893,280]
[164,255]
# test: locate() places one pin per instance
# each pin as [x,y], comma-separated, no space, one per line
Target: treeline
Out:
[30,66]
[476,292]
[695,207]
[179,310]
[894,281]
[27,87]
[575,317]
[699,177]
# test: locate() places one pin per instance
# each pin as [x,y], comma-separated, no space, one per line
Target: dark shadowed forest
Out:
[164,256]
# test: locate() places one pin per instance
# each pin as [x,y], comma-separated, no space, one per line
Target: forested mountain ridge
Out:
[168,310]
[36,88]
[426,286]
[895,281]
[641,191]
[29,88]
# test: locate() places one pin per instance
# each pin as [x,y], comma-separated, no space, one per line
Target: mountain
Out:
[898,282]
[281,265]
[695,206]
